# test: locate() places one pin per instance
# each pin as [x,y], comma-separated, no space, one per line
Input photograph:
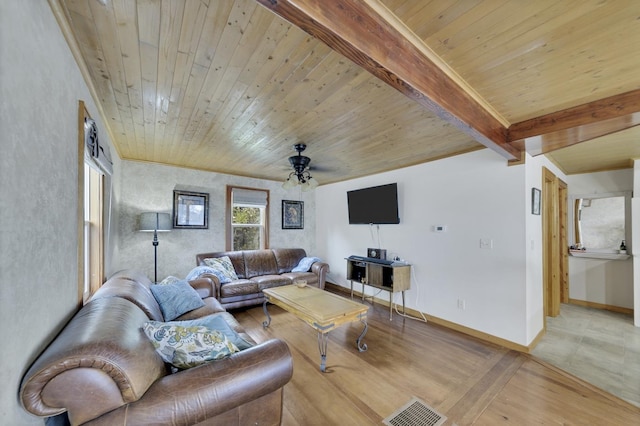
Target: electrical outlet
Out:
[486,243]
[462,304]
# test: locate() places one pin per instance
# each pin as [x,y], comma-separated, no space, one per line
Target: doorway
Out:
[555,262]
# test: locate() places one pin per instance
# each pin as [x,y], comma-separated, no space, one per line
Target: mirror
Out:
[600,222]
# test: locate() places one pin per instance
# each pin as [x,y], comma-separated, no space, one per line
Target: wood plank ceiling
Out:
[374,85]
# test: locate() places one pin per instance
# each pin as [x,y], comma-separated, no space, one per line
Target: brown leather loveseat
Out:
[260,269]
[102,369]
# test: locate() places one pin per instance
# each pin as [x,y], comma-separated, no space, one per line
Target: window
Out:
[247,218]
[94,172]
[93,229]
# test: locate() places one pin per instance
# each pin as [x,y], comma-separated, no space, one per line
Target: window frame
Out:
[90,214]
[229,216]
[93,228]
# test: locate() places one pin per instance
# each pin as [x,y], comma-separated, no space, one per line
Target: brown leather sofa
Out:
[260,269]
[102,370]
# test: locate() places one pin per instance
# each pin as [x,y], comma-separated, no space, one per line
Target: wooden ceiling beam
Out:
[357,31]
[578,124]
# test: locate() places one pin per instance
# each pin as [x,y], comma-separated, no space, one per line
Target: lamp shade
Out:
[290,183]
[311,184]
[152,221]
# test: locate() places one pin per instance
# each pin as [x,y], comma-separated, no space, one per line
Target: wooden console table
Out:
[389,277]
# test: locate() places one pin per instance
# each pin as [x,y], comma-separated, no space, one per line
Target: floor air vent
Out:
[415,413]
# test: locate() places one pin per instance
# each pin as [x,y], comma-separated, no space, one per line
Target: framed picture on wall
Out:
[190,210]
[292,214]
[535,201]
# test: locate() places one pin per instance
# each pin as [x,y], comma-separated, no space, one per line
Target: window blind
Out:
[249,197]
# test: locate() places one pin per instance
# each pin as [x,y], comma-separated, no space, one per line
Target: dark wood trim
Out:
[578,124]
[618,106]
[357,31]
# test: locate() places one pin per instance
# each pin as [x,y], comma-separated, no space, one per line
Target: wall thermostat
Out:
[376,253]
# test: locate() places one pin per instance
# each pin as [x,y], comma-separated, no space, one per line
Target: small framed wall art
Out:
[190,210]
[535,201]
[292,214]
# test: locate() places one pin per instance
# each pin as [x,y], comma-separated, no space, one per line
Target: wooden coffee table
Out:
[320,309]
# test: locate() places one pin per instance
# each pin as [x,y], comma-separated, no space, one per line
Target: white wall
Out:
[149,187]
[533,248]
[477,196]
[40,86]
[607,282]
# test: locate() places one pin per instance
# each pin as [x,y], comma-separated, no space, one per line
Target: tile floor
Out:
[600,347]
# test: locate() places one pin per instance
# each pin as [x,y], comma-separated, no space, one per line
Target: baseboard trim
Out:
[448,324]
[619,309]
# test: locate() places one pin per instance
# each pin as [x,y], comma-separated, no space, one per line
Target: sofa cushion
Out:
[288,258]
[260,262]
[176,299]
[309,277]
[269,281]
[239,288]
[305,264]
[222,268]
[187,346]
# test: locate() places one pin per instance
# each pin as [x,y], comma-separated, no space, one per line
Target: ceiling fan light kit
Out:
[300,174]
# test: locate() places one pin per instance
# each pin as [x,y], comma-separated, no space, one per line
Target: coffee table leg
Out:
[362,347]
[323,339]
[266,323]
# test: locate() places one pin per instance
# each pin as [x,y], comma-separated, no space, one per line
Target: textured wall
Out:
[149,187]
[40,86]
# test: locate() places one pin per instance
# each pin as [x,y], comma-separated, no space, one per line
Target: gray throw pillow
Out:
[176,299]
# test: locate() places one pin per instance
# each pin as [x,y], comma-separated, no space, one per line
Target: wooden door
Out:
[563,222]
[554,230]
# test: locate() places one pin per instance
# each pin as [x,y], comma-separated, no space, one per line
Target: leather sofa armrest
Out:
[194,395]
[321,269]
[205,285]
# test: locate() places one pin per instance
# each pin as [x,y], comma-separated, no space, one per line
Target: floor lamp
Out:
[155,222]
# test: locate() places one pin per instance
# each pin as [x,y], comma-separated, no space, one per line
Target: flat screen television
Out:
[374,205]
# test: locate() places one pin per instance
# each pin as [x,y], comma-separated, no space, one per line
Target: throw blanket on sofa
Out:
[305,264]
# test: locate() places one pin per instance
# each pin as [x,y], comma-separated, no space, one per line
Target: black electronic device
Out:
[374,205]
[370,260]
[377,253]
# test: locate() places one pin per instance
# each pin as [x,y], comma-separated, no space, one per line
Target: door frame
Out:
[555,263]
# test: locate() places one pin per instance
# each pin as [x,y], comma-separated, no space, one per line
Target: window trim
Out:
[229,215]
[89,239]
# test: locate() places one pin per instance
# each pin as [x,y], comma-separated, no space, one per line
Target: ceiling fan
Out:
[300,174]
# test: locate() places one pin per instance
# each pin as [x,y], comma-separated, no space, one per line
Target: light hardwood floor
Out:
[467,380]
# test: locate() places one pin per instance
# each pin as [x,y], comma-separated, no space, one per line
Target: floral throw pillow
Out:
[186,347]
[169,280]
[222,268]
[217,322]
